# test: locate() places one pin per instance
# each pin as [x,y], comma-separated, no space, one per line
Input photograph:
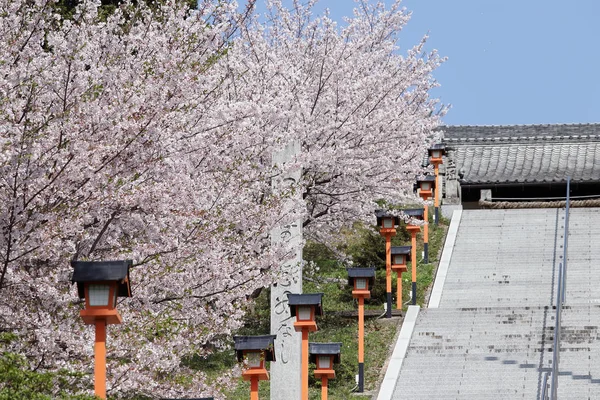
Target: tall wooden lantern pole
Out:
[416,213]
[100,283]
[361,280]
[387,228]
[425,187]
[304,307]
[435,157]
[400,257]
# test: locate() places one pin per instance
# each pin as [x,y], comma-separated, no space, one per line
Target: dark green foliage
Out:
[19,382]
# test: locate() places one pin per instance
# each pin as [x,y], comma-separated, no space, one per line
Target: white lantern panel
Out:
[388,222]
[98,295]
[324,362]
[304,313]
[398,259]
[254,359]
[436,153]
[426,186]
[361,283]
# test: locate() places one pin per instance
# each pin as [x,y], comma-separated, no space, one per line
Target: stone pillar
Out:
[286,371]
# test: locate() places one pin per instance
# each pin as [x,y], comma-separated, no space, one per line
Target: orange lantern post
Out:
[436,153]
[387,228]
[425,187]
[254,351]
[324,355]
[415,213]
[361,279]
[100,283]
[304,307]
[400,257]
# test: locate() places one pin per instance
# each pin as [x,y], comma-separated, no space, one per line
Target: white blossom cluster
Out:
[148,134]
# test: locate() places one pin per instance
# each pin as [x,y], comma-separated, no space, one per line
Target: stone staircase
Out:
[491,337]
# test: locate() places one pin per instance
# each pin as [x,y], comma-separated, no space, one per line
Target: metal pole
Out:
[566,242]
[545,387]
[556,344]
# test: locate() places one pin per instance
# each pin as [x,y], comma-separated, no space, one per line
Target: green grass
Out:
[327,275]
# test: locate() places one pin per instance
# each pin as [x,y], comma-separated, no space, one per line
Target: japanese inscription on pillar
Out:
[286,371]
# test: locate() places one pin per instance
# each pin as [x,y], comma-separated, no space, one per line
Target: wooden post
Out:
[305,364]
[100,359]
[361,344]
[388,274]
[426,234]
[399,291]
[254,388]
[436,201]
[324,387]
[413,250]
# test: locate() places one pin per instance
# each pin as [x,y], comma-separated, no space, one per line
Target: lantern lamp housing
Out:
[264,344]
[99,283]
[324,355]
[361,280]
[436,152]
[305,307]
[400,257]
[426,186]
[386,221]
[255,350]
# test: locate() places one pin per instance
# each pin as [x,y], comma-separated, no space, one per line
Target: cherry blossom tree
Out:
[147,134]
[360,107]
[120,140]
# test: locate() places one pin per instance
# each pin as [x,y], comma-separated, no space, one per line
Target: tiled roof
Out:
[524,153]
[550,131]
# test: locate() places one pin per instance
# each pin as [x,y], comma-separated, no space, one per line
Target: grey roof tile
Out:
[529,132]
[524,154]
[547,162]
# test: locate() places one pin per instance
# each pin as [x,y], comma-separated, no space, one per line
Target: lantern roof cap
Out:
[264,343]
[310,299]
[354,273]
[426,178]
[325,349]
[98,271]
[380,214]
[404,250]
[401,249]
[438,146]
[414,212]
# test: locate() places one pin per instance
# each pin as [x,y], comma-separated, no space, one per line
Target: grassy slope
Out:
[329,277]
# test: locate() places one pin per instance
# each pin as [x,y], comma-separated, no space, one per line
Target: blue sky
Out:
[510,61]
